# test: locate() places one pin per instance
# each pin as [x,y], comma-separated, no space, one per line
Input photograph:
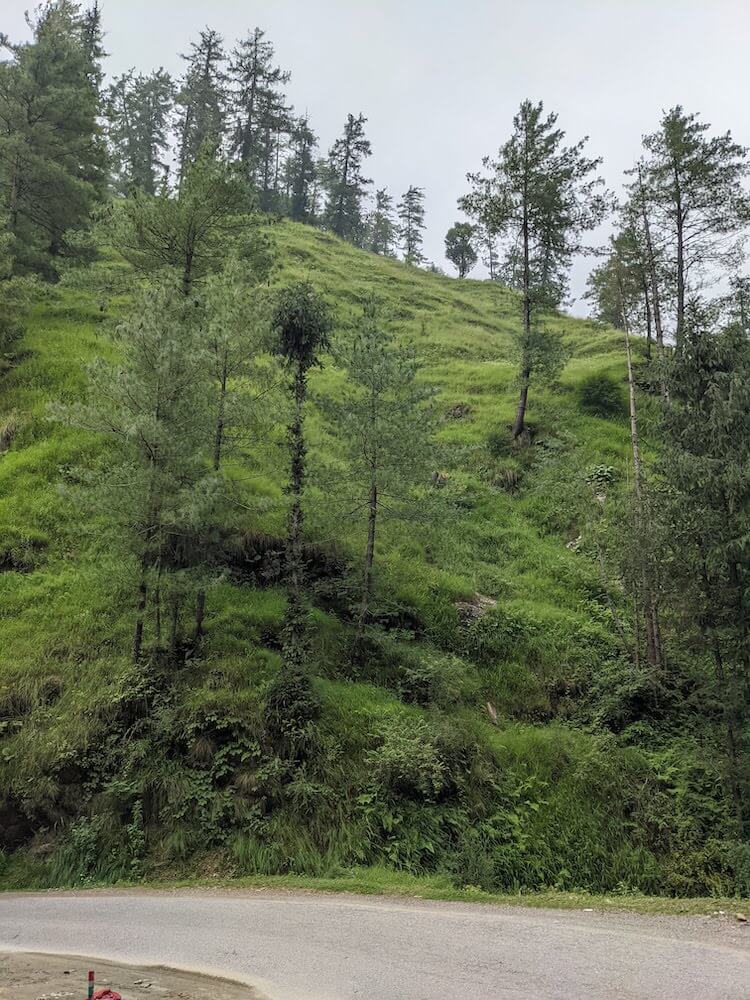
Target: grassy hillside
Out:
[496,598]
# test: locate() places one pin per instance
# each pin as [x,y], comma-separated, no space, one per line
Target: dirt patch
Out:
[49,977]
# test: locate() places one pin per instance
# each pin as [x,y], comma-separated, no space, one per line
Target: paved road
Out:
[313,947]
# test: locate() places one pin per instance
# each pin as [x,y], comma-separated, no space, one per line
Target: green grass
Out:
[385,882]
[545,779]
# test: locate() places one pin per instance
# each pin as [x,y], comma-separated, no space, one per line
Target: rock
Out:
[459,411]
[477,607]
[741,917]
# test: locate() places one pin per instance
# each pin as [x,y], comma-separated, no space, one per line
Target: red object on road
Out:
[106,995]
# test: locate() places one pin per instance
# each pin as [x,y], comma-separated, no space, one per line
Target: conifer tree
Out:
[346,184]
[706,438]
[318,189]
[382,226]
[92,37]
[539,199]
[192,231]
[695,184]
[236,329]
[384,420]
[616,287]
[258,104]
[153,402]
[301,173]
[411,225]
[459,247]
[52,154]
[640,210]
[139,110]
[301,323]
[202,98]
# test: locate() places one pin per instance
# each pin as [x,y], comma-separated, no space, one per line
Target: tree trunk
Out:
[13,199]
[220,416]
[647,309]
[339,226]
[295,616]
[655,300]
[187,272]
[734,787]
[680,256]
[520,422]
[364,611]
[140,614]
[174,630]
[200,615]
[651,615]
[247,137]
[183,148]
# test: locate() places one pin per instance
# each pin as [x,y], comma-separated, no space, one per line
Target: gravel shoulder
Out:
[25,976]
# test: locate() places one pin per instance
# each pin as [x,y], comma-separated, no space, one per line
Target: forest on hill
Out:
[314,559]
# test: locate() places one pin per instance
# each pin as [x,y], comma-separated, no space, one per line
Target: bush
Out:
[292,707]
[601,396]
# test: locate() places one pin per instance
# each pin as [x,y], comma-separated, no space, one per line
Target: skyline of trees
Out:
[231,98]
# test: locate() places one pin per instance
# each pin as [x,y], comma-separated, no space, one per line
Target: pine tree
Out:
[640,210]
[301,323]
[92,37]
[695,184]
[236,328]
[459,247]
[153,402]
[616,287]
[539,199]
[706,438]
[202,98]
[382,226]
[384,420]
[486,240]
[52,154]
[301,173]
[346,184]
[257,104]
[191,232]
[411,228]
[139,110]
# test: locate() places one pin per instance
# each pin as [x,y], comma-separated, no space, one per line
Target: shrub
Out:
[601,396]
[292,707]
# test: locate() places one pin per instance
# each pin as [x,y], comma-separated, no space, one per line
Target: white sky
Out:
[440,80]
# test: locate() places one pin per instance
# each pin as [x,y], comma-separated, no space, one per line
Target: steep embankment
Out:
[499,599]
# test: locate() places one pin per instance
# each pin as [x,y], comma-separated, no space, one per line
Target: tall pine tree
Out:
[52,152]
[539,198]
[347,185]
[300,170]
[411,225]
[202,98]
[257,94]
[382,225]
[695,182]
[139,110]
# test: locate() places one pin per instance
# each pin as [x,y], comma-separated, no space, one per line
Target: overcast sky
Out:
[440,80]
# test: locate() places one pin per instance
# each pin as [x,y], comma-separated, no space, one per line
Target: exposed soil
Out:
[48,977]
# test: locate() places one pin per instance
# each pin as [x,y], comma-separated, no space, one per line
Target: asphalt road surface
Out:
[316,947]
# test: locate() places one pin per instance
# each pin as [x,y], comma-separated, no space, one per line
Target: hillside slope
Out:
[498,598]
